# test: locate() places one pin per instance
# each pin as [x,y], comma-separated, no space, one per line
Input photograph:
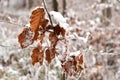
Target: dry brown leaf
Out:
[59,30]
[40,37]
[53,39]
[37,19]
[44,23]
[26,37]
[40,57]
[48,27]
[36,35]
[37,56]
[48,56]
[63,32]
[34,55]
[67,67]
[81,59]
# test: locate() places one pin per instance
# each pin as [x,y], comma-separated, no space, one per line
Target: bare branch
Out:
[44,3]
[12,23]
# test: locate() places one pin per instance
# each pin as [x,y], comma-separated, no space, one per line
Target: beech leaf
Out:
[59,30]
[26,37]
[48,57]
[53,39]
[37,19]
[81,59]
[37,56]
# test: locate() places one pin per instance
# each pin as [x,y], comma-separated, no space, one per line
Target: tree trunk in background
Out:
[64,76]
[29,4]
[107,14]
[64,7]
[55,5]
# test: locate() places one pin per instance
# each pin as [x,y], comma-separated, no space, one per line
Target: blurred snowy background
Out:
[101,49]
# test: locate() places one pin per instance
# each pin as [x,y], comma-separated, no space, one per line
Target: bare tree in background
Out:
[19,4]
[64,7]
[62,4]
[29,4]
[107,14]
[55,5]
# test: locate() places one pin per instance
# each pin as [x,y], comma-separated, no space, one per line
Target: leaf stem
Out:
[47,12]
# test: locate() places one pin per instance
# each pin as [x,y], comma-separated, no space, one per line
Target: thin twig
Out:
[118,0]
[4,45]
[37,73]
[12,23]
[18,47]
[47,12]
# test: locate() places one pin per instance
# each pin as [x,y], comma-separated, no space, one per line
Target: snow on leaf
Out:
[26,37]
[58,18]
[55,15]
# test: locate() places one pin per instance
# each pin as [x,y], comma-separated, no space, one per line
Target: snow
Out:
[98,44]
[10,70]
[82,38]
[59,19]
[1,67]
[77,53]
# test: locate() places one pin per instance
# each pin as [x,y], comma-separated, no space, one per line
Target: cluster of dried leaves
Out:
[39,27]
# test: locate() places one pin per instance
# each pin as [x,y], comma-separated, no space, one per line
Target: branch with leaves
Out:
[39,30]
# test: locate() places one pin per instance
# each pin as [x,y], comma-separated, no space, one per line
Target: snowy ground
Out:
[101,49]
